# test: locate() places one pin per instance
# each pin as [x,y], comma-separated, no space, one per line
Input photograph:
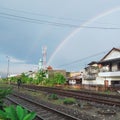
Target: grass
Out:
[53,97]
[69,101]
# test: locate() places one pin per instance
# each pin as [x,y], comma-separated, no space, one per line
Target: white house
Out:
[107,70]
[110,68]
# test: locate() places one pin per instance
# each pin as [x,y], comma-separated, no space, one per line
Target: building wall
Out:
[52,72]
[88,82]
[98,81]
[112,55]
[72,82]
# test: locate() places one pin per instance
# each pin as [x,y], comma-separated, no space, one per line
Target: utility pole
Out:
[8,60]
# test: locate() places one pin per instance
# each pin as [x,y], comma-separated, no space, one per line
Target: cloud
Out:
[15,60]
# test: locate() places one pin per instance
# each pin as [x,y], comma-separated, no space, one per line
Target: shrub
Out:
[107,92]
[3,93]
[53,96]
[69,101]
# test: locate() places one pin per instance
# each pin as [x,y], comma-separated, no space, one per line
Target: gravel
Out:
[82,110]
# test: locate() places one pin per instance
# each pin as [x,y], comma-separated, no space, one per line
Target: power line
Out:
[44,15]
[79,60]
[7,17]
[50,16]
[38,21]
[35,20]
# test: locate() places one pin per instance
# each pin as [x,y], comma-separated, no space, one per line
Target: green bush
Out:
[107,91]
[18,113]
[69,101]
[53,97]
[3,93]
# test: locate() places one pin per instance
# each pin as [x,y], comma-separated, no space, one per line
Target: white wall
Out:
[98,81]
[114,54]
[72,82]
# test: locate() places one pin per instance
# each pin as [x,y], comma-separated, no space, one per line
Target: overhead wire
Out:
[50,16]
[88,57]
[79,60]
[44,15]
[38,21]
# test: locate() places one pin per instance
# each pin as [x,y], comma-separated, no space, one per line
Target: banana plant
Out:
[16,113]
[3,93]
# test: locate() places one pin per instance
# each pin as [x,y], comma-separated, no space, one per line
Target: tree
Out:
[41,75]
[24,78]
[59,78]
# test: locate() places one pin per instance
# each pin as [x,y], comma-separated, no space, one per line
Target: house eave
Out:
[110,60]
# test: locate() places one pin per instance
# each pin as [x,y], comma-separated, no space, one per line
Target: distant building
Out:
[51,72]
[13,75]
[31,74]
[106,72]
[90,74]
[74,78]
[49,68]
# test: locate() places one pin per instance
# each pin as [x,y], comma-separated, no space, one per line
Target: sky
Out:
[75,32]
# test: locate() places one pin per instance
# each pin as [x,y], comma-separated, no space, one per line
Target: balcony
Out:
[89,77]
[109,74]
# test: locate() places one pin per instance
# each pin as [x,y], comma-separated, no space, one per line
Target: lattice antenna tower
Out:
[44,55]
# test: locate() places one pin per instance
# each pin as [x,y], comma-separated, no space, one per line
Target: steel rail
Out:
[84,96]
[60,114]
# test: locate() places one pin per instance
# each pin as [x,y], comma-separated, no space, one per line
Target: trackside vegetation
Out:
[39,79]
[11,112]
[16,113]
[3,93]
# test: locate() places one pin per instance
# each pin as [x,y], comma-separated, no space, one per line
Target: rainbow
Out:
[74,32]
[43,34]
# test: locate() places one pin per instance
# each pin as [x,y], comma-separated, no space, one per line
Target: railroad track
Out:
[42,88]
[43,112]
[92,98]
[88,96]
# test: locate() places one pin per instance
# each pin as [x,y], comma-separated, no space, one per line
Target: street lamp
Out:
[8,59]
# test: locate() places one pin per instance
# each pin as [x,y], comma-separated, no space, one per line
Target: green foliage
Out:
[69,101]
[40,76]
[3,80]
[107,92]
[3,93]
[53,97]
[18,113]
[13,79]
[24,78]
[29,80]
[40,79]
[59,78]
